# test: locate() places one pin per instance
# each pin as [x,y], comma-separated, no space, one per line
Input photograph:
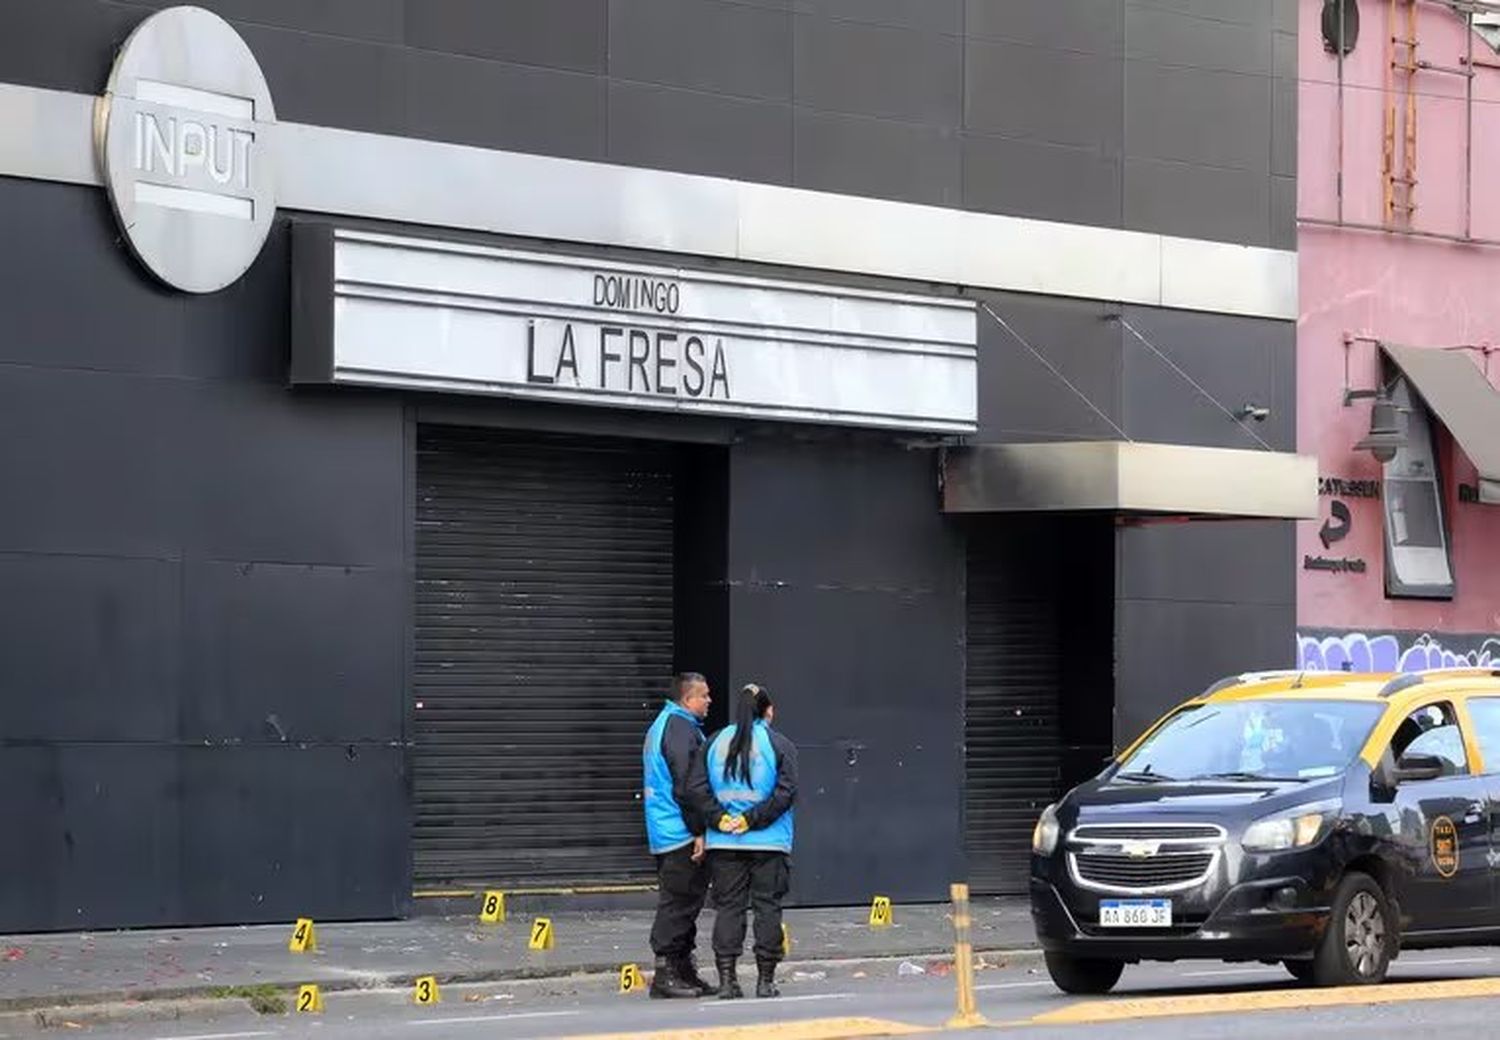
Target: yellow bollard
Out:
[968,1016]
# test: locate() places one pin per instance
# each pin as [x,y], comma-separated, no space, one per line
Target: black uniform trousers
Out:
[681,887]
[745,879]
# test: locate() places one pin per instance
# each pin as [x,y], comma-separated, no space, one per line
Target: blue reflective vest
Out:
[665,828]
[737,796]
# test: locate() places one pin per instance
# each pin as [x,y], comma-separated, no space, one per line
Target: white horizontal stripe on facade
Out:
[48,136]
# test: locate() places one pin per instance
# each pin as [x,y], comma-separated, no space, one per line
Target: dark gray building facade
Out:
[291,632]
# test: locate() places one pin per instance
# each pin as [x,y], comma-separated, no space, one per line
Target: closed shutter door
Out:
[1012,734]
[543,649]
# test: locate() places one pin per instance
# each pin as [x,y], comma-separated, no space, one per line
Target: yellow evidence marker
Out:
[425,991]
[493,909]
[631,979]
[309,1000]
[304,936]
[541,934]
[880,912]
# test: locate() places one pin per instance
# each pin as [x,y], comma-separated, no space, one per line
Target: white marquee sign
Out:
[425,314]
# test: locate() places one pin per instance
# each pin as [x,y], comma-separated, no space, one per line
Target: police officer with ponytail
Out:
[750,783]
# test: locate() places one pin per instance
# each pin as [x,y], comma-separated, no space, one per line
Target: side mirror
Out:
[1418,767]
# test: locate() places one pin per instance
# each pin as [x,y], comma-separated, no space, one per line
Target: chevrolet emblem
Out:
[1140,849]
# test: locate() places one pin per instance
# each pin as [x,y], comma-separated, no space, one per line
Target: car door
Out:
[1444,828]
[1484,724]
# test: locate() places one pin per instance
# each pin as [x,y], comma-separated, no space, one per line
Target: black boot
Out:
[729,982]
[765,983]
[666,983]
[687,971]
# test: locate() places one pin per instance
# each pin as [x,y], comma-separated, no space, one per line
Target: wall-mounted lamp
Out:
[1387,429]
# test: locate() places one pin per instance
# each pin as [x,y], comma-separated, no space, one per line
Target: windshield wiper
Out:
[1242,775]
[1145,775]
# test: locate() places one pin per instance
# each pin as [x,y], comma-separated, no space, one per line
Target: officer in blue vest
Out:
[674,830]
[746,787]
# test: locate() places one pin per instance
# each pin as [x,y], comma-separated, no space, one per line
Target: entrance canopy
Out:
[1132,478]
[1463,400]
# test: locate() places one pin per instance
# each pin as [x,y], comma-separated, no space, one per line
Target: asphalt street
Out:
[1443,990]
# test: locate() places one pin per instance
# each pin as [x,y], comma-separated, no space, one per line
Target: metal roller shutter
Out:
[1012,731]
[543,645]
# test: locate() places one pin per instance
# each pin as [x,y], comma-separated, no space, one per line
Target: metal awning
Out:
[1463,400]
[1124,477]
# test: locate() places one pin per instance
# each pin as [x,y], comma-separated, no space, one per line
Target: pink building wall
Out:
[1423,292]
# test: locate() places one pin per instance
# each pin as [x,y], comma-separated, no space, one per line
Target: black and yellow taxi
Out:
[1321,821]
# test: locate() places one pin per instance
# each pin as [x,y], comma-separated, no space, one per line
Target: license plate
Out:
[1135,913]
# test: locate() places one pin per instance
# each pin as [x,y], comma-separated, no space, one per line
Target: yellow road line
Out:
[808,1029]
[1270,1000]
[571,890]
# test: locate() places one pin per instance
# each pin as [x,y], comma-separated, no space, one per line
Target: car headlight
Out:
[1296,829]
[1046,832]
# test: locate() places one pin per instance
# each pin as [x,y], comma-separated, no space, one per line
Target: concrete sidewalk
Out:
[39,971]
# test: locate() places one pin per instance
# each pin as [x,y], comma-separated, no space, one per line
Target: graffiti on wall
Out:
[1324,651]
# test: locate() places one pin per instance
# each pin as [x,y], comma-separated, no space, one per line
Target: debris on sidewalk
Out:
[484,998]
[173,964]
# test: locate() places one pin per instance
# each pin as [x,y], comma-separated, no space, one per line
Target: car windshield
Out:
[1255,739]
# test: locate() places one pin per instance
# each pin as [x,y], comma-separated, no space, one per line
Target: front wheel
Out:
[1360,940]
[1089,976]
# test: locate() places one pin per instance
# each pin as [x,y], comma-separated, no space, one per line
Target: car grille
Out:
[1148,832]
[1117,870]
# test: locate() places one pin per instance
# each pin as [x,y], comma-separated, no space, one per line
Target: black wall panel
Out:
[205,598]
[846,601]
[120,620]
[1177,118]
[1197,603]
[270,832]
[98,833]
[155,834]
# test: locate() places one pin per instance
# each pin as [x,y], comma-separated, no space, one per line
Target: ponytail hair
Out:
[749,706]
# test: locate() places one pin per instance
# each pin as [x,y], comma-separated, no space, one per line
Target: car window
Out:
[1485,711]
[1291,739]
[1432,730]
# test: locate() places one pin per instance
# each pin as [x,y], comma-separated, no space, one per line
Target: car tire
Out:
[1360,940]
[1302,971]
[1089,976]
